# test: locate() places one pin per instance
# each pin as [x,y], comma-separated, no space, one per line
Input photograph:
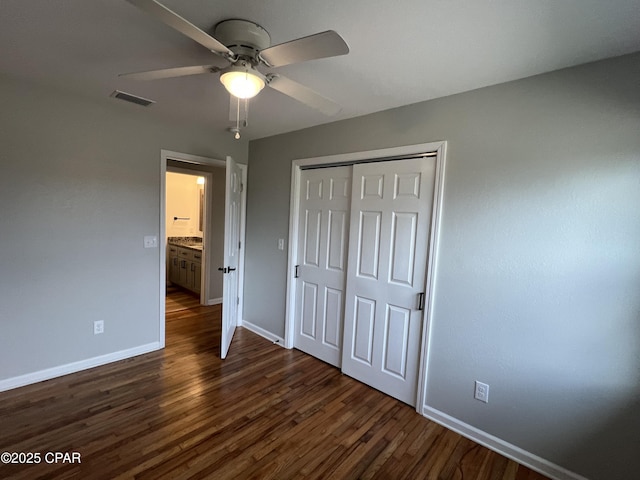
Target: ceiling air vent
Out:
[127,97]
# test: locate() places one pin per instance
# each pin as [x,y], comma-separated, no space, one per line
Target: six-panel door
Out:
[233,203]
[391,207]
[362,256]
[323,226]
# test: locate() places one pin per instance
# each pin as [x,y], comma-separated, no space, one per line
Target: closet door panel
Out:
[390,219]
[323,226]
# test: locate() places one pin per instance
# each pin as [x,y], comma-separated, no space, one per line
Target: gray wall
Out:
[538,278]
[80,187]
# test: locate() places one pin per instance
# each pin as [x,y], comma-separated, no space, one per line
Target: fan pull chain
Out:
[237,135]
[245,121]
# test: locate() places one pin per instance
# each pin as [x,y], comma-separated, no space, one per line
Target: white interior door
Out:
[233,204]
[323,226]
[391,210]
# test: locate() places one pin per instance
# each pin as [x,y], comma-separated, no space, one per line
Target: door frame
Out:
[204,161]
[433,149]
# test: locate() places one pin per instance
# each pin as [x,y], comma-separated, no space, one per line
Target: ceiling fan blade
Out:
[175,21]
[170,72]
[304,94]
[320,45]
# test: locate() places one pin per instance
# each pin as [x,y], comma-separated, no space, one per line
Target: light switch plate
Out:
[150,241]
[281,244]
[98,327]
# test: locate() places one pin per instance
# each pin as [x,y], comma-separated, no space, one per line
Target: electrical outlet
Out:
[98,327]
[481,392]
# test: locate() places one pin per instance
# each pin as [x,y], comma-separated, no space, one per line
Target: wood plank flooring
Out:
[179,299]
[265,413]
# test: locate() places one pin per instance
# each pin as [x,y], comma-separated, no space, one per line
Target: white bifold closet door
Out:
[391,208]
[363,234]
[323,226]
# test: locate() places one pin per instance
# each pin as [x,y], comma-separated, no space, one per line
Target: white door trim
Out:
[435,148]
[196,160]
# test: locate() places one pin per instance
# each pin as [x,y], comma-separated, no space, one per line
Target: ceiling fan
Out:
[246,46]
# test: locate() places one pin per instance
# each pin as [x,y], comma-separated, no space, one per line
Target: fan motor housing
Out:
[242,37]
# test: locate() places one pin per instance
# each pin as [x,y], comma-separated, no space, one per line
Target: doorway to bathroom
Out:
[202,257]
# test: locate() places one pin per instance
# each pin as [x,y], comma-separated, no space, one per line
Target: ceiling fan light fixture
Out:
[242,82]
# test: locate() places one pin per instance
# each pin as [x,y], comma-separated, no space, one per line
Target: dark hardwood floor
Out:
[264,412]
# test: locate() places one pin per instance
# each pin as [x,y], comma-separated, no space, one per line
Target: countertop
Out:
[193,243]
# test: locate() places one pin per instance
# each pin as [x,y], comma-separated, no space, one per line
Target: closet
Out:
[360,272]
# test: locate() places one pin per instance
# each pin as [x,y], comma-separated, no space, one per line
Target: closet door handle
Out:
[421,301]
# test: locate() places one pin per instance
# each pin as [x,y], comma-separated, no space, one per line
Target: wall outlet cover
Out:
[481,392]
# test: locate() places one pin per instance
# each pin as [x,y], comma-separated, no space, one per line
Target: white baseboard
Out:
[214,301]
[49,373]
[262,332]
[521,456]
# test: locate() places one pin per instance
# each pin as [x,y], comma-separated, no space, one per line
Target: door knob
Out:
[229,269]
[223,270]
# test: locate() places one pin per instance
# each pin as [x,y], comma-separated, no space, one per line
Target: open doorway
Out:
[187,234]
[194,229]
[194,250]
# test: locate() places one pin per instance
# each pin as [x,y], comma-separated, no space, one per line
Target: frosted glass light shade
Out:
[242,83]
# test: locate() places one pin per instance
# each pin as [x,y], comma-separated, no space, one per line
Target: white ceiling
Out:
[402,52]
